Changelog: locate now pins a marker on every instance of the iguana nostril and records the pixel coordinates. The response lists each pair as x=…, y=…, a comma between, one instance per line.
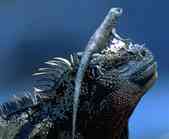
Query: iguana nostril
x=143, y=53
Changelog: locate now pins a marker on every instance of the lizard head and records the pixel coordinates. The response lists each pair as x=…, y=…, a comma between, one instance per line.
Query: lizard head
x=124, y=70
x=116, y=79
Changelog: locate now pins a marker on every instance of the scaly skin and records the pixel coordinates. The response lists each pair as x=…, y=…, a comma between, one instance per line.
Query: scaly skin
x=96, y=43
x=114, y=81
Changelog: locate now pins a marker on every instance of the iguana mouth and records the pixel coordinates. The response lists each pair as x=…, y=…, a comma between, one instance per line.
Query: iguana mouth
x=147, y=77
x=152, y=76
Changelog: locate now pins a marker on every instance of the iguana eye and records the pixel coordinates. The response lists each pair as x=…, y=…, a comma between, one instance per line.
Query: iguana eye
x=123, y=68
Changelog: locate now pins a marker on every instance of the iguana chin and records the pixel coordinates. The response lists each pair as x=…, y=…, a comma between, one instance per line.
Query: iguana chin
x=115, y=79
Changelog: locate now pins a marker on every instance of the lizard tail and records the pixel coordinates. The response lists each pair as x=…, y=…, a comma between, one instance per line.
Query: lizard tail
x=96, y=43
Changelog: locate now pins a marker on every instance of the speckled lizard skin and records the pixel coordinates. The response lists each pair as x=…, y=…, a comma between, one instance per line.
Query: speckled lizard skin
x=115, y=80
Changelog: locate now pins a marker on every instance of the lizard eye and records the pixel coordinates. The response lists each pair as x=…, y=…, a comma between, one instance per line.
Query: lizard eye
x=123, y=68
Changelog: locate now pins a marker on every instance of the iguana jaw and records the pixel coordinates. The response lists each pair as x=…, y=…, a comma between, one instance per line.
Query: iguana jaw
x=147, y=77
x=153, y=75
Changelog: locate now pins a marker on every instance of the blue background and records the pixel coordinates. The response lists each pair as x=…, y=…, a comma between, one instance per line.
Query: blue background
x=32, y=32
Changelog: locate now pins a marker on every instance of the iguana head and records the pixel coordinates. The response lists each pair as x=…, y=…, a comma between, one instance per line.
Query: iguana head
x=115, y=81
x=125, y=70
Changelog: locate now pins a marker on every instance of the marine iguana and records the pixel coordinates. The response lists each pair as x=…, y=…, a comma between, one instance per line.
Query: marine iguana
x=115, y=79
